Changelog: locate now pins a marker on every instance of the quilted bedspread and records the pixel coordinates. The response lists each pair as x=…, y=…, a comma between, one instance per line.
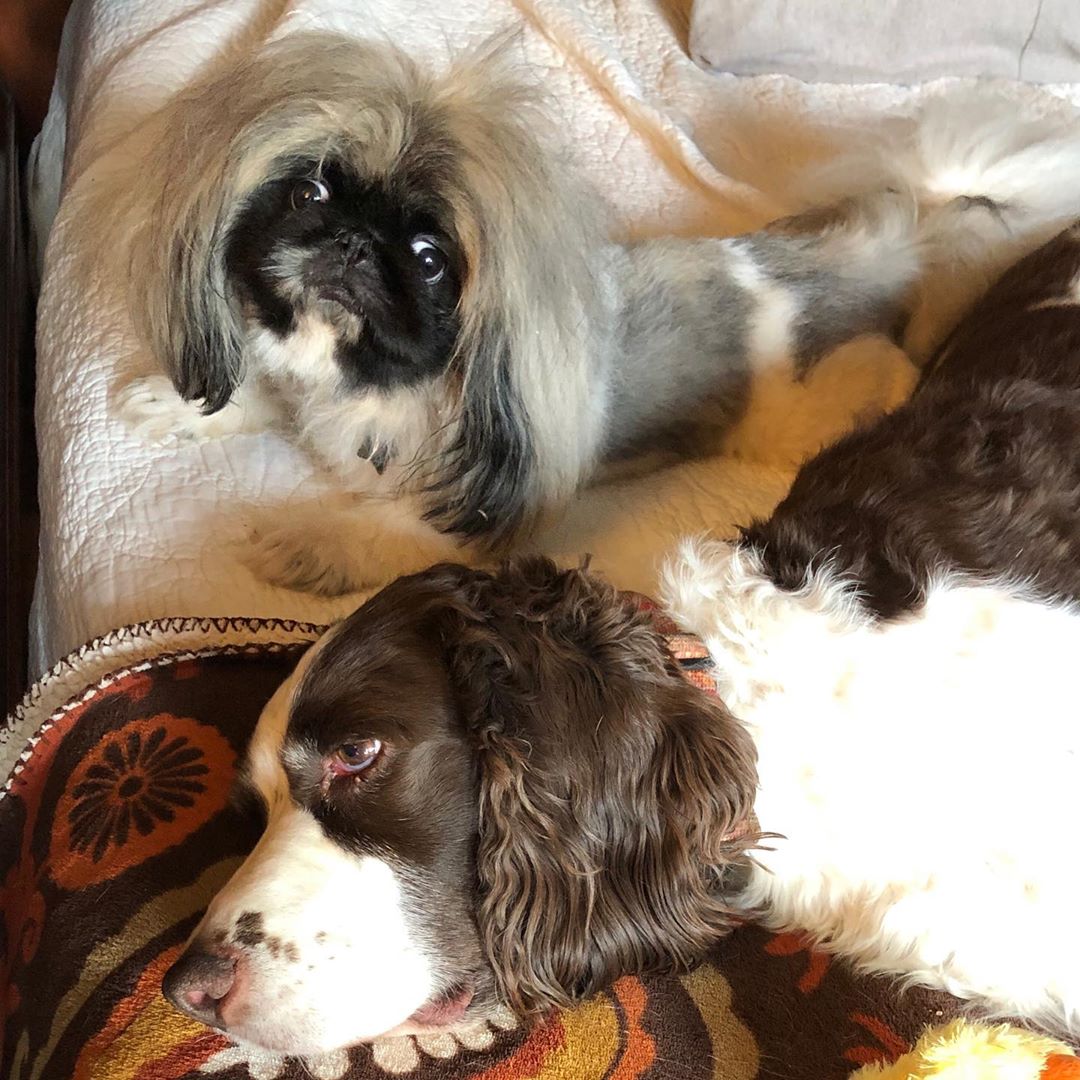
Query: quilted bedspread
x=115, y=830
x=132, y=530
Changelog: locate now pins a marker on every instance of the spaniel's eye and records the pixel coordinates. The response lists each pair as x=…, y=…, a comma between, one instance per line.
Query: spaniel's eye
x=431, y=258
x=355, y=757
x=307, y=192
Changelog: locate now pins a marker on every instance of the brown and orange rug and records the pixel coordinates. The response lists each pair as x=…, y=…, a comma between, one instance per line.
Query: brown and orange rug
x=115, y=829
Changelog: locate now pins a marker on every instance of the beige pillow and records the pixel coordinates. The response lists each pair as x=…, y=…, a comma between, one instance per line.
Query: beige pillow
x=895, y=41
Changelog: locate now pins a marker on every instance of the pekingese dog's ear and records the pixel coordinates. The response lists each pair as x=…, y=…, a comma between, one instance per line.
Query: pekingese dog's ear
x=187, y=306
x=613, y=793
x=202, y=166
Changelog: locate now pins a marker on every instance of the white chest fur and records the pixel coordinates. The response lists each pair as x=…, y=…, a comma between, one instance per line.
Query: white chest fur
x=346, y=428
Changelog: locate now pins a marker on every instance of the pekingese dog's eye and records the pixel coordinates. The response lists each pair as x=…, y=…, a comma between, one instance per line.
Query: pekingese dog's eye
x=307, y=192
x=431, y=258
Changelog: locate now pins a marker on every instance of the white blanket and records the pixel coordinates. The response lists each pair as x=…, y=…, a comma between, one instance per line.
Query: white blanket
x=133, y=531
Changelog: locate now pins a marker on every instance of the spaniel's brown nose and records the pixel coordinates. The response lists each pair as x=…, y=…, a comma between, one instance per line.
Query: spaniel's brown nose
x=197, y=984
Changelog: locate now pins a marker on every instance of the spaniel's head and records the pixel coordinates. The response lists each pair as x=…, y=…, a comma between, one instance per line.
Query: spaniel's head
x=479, y=789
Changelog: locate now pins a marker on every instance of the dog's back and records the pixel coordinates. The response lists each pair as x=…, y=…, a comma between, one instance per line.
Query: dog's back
x=978, y=474
x=1026, y=327
x=900, y=638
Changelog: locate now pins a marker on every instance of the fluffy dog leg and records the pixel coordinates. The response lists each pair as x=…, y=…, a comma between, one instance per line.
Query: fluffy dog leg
x=151, y=408
x=346, y=546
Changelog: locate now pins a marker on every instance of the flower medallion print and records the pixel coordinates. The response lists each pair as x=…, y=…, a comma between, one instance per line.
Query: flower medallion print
x=142, y=790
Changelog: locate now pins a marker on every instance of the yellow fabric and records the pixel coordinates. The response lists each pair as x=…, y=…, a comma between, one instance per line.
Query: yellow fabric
x=962, y=1050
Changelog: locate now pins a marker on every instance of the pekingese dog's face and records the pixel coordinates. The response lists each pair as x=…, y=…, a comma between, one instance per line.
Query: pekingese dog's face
x=379, y=265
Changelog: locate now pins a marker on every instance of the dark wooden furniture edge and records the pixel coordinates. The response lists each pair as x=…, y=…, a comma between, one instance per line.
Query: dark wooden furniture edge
x=16, y=435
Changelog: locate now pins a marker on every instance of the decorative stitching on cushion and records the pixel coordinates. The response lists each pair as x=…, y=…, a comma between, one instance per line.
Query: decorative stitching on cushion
x=98, y=664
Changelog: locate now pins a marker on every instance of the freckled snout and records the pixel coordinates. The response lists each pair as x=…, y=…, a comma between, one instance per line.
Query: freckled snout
x=199, y=982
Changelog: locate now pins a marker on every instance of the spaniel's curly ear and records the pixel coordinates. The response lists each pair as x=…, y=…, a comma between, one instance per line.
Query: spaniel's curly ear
x=612, y=792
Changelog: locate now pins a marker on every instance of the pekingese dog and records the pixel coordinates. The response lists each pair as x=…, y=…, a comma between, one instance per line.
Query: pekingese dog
x=393, y=263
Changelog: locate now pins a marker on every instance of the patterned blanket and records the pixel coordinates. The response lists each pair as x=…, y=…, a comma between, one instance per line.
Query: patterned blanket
x=116, y=828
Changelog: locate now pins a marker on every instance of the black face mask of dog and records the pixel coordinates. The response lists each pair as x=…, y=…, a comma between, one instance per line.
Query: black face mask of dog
x=381, y=268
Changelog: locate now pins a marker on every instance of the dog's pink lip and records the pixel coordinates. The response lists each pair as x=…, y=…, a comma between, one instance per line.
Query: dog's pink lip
x=443, y=1010
x=229, y=998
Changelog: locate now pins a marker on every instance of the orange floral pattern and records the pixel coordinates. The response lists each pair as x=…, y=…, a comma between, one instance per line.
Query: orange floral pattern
x=639, y=1048
x=889, y=1045
x=143, y=790
x=817, y=963
x=1060, y=1067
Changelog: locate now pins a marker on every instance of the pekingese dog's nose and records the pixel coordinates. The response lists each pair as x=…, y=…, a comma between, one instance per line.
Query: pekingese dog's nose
x=198, y=983
x=355, y=246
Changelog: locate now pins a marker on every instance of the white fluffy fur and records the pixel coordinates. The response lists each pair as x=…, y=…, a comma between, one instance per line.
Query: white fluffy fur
x=769, y=335
x=925, y=773
x=977, y=144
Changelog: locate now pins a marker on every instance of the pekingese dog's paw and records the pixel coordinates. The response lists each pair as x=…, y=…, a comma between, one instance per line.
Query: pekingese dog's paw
x=155, y=412
x=305, y=558
x=330, y=552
